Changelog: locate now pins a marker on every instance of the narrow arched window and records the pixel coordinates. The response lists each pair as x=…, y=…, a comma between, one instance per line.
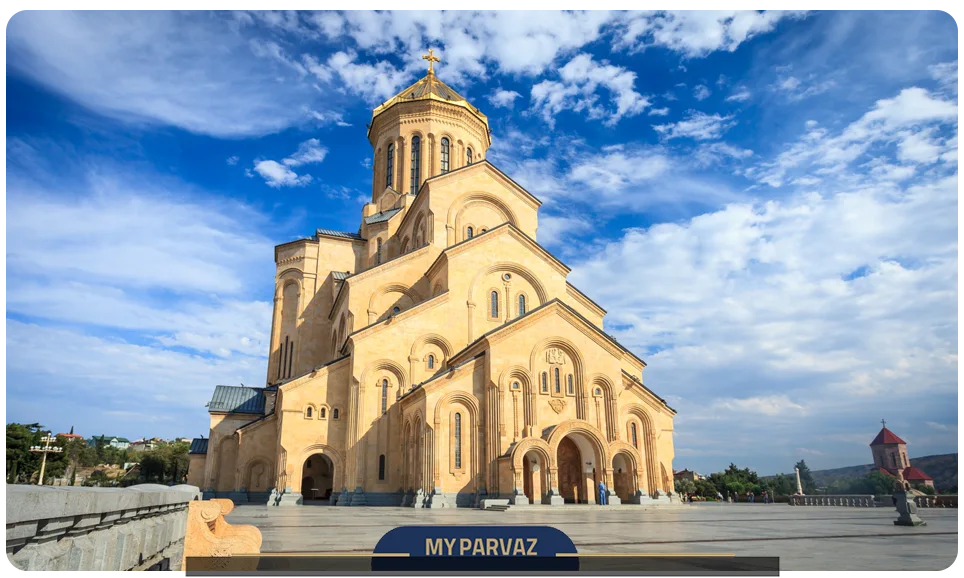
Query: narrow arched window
x=334, y=413
x=445, y=155
x=381, y=467
x=384, y=395
x=431, y=361
x=308, y=412
x=556, y=377
x=468, y=156
x=632, y=434
x=378, y=253
x=570, y=389
x=469, y=233
x=321, y=413
x=458, y=440
x=416, y=164
x=494, y=306
x=545, y=382
x=390, y=166
x=522, y=305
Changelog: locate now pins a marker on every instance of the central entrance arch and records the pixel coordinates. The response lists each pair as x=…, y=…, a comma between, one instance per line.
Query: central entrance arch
x=317, y=478
x=582, y=460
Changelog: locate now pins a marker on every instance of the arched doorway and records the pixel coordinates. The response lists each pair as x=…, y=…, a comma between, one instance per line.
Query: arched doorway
x=579, y=469
x=624, y=476
x=317, y=478
x=535, y=476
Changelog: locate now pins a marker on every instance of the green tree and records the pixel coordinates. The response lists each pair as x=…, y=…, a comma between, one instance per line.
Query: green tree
x=22, y=463
x=684, y=487
x=806, y=478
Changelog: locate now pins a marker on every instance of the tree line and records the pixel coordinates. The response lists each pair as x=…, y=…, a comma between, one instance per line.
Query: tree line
x=166, y=463
x=737, y=482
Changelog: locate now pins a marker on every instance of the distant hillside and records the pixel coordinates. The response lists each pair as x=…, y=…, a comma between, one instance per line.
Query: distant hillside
x=942, y=468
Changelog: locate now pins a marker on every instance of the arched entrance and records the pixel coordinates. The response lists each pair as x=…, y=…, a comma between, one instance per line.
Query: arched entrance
x=580, y=469
x=317, y=478
x=535, y=476
x=624, y=476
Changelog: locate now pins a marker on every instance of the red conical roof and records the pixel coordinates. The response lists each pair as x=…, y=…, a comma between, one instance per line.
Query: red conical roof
x=886, y=437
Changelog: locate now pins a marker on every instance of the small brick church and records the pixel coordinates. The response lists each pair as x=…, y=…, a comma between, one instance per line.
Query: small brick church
x=890, y=455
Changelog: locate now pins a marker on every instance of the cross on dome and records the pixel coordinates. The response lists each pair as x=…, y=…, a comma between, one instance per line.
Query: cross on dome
x=432, y=59
x=883, y=423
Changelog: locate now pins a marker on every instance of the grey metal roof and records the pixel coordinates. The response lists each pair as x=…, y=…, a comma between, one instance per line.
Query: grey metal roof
x=234, y=399
x=381, y=217
x=340, y=275
x=198, y=446
x=342, y=234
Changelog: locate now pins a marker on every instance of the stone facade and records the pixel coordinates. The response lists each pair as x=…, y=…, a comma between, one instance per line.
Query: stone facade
x=438, y=356
x=100, y=529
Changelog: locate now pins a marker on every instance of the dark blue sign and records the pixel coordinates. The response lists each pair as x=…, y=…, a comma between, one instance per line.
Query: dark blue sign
x=482, y=548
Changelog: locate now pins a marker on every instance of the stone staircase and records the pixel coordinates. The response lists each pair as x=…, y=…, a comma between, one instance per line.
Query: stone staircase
x=496, y=508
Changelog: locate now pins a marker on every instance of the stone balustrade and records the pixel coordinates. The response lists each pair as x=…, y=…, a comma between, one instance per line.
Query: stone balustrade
x=76, y=528
x=856, y=501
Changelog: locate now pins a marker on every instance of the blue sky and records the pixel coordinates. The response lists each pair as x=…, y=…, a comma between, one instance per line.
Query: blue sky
x=765, y=203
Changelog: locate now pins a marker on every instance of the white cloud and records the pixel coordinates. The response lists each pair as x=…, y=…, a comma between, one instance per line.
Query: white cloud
x=154, y=68
x=233, y=160
x=658, y=111
x=695, y=33
x=697, y=126
x=945, y=74
x=374, y=82
x=310, y=151
x=701, y=92
x=503, y=98
x=742, y=94
x=279, y=175
x=769, y=405
x=576, y=91
x=717, y=153
x=908, y=119
x=795, y=89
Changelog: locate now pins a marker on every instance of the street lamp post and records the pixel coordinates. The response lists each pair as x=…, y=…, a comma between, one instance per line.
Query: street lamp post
x=45, y=449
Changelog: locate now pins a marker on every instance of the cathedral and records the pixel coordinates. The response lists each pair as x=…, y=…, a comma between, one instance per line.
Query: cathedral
x=437, y=357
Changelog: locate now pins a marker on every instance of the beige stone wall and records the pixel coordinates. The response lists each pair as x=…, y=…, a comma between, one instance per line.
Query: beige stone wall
x=195, y=470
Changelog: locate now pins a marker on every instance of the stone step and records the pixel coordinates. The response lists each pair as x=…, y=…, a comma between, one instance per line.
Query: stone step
x=497, y=508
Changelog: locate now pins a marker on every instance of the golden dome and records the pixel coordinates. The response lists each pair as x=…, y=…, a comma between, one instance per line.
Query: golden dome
x=429, y=87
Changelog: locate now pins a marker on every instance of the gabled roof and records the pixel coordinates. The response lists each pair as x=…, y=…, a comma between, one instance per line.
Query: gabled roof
x=886, y=437
x=198, y=446
x=381, y=217
x=588, y=324
x=234, y=399
x=340, y=234
x=912, y=473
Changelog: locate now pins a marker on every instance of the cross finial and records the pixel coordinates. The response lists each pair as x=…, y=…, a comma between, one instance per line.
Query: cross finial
x=883, y=423
x=432, y=59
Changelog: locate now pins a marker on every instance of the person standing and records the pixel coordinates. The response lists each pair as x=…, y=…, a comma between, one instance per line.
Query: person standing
x=602, y=494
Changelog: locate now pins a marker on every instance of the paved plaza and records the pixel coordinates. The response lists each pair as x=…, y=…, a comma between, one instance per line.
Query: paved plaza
x=804, y=538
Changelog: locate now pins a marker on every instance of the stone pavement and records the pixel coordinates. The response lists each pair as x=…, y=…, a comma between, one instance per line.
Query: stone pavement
x=804, y=538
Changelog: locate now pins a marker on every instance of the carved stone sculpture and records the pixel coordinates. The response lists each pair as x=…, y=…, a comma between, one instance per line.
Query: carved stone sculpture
x=211, y=539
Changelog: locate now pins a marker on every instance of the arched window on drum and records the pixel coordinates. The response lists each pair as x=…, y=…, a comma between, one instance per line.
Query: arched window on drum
x=445, y=155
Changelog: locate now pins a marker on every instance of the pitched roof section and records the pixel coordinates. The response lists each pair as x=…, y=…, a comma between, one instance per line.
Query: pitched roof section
x=912, y=473
x=381, y=217
x=232, y=399
x=339, y=234
x=198, y=446
x=886, y=437
x=340, y=275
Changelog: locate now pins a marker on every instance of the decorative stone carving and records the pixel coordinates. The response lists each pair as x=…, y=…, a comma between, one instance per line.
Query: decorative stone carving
x=557, y=405
x=907, y=510
x=555, y=356
x=210, y=538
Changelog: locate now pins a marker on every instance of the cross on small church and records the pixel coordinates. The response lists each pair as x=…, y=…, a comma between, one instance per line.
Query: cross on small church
x=883, y=423
x=432, y=59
